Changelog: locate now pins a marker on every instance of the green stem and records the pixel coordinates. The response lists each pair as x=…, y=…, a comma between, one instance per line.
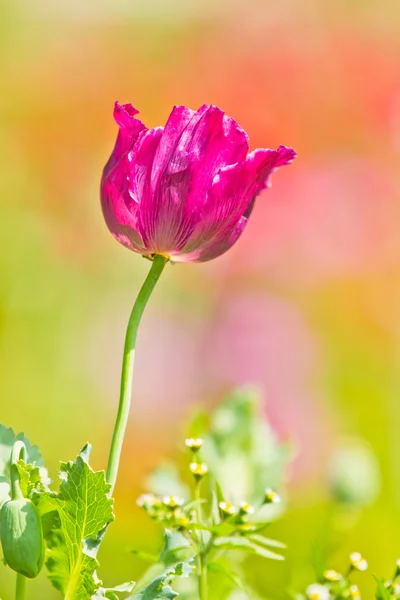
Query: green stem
x=157, y=267
x=18, y=452
x=202, y=556
x=203, y=585
x=20, y=589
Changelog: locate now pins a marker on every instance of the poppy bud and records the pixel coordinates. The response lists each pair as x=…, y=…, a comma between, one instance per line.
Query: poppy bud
x=22, y=537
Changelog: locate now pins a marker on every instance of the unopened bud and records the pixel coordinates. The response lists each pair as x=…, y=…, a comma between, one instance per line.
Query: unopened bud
x=22, y=537
x=246, y=509
x=271, y=497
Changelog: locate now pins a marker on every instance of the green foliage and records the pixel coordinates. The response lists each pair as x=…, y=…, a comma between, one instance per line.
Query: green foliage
x=354, y=474
x=241, y=449
x=175, y=560
x=114, y=593
x=34, y=463
x=237, y=457
x=382, y=592
x=80, y=512
x=158, y=589
x=246, y=545
x=177, y=549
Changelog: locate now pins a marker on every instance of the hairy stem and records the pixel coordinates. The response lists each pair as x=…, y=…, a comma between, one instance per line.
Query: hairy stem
x=157, y=267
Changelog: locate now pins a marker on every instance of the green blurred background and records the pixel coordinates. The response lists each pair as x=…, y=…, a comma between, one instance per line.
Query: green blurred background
x=306, y=305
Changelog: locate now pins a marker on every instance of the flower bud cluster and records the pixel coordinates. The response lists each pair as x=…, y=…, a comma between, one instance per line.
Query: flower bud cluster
x=168, y=510
x=335, y=586
x=198, y=469
x=393, y=585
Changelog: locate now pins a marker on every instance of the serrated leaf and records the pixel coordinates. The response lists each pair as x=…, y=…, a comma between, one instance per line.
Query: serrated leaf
x=158, y=589
x=33, y=457
x=84, y=509
x=244, y=544
x=112, y=593
x=175, y=559
x=30, y=479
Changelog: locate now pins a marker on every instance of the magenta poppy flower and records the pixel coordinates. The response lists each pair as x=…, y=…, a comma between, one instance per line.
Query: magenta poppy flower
x=185, y=190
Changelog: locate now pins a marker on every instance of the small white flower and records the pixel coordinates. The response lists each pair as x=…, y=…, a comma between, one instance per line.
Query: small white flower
x=227, y=509
x=194, y=443
x=316, y=591
x=332, y=575
x=355, y=592
x=199, y=470
x=146, y=500
x=358, y=562
x=173, y=501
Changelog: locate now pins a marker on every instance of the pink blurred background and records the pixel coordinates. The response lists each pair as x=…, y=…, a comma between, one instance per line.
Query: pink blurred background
x=306, y=304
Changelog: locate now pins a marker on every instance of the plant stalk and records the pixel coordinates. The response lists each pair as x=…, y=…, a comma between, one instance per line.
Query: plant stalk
x=203, y=584
x=20, y=588
x=18, y=452
x=156, y=269
x=203, y=554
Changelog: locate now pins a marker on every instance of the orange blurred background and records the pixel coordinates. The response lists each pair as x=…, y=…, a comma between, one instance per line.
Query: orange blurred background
x=306, y=305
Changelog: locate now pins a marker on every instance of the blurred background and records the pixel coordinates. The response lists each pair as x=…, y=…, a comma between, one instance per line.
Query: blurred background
x=306, y=305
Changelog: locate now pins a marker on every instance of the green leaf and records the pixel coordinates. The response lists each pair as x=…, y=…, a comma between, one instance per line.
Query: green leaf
x=177, y=549
x=111, y=593
x=382, y=593
x=218, y=567
x=33, y=457
x=30, y=479
x=224, y=529
x=83, y=509
x=146, y=556
x=158, y=589
x=175, y=560
x=263, y=541
x=215, y=513
x=244, y=544
x=194, y=504
x=243, y=452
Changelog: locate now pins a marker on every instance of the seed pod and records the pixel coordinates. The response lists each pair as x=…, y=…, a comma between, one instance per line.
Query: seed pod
x=22, y=537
